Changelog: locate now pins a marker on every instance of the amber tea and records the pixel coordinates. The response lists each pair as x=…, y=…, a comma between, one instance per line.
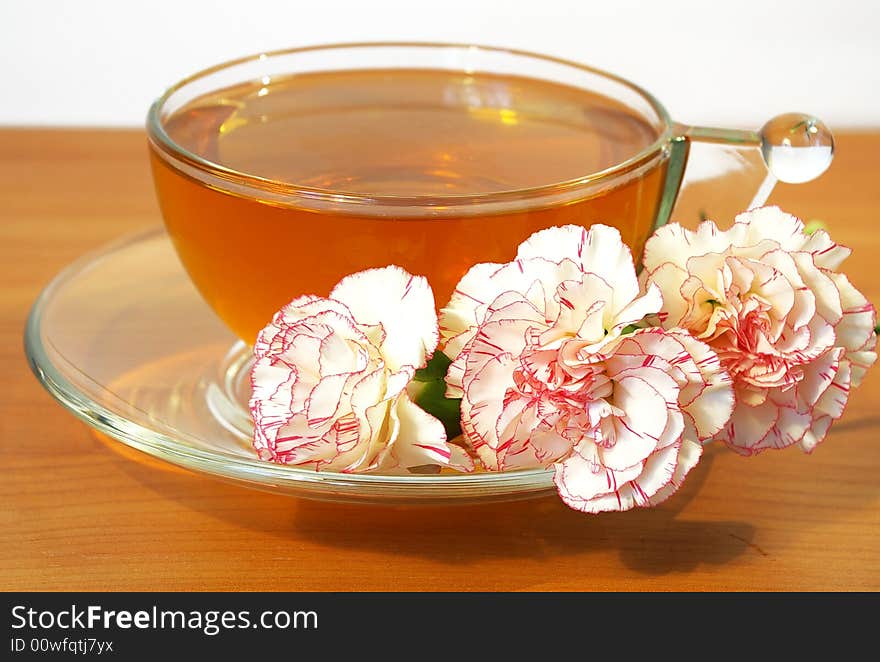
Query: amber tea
x=362, y=168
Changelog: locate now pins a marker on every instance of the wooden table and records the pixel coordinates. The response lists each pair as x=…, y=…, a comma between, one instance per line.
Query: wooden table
x=76, y=514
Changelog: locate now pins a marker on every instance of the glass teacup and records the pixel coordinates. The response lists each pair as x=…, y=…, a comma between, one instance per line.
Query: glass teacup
x=281, y=173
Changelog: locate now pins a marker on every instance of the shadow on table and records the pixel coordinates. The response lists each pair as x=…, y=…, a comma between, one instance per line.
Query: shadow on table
x=650, y=541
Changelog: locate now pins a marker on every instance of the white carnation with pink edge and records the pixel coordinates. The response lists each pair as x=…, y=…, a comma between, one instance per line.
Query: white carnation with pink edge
x=551, y=372
x=330, y=379
x=791, y=330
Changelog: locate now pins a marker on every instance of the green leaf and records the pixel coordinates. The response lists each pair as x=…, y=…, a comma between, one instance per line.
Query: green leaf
x=435, y=369
x=815, y=224
x=430, y=394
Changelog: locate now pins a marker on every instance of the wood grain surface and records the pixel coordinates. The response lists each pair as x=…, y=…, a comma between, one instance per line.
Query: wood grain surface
x=79, y=513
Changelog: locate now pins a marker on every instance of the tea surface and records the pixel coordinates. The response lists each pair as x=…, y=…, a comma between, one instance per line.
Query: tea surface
x=411, y=132
x=387, y=132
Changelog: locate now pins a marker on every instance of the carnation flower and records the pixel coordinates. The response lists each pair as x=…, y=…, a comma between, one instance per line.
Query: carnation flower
x=791, y=330
x=551, y=372
x=330, y=379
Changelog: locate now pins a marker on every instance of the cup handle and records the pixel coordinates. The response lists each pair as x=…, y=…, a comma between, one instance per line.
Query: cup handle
x=719, y=173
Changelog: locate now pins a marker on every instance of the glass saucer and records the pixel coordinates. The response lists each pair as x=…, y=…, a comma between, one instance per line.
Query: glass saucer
x=123, y=340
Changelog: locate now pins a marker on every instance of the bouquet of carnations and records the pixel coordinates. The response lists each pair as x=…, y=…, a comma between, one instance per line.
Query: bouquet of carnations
x=566, y=358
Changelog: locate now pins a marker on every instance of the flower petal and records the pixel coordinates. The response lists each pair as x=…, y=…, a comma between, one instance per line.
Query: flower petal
x=421, y=441
x=402, y=303
x=713, y=405
x=675, y=244
x=484, y=399
x=688, y=457
x=770, y=223
x=660, y=476
x=826, y=253
x=473, y=294
x=639, y=430
x=534, y=280
x=598, y=250
x=749, y=426
x=324, y=400
x=669, y=278
x=856, y=326
x=633, y=312
x=582, y=482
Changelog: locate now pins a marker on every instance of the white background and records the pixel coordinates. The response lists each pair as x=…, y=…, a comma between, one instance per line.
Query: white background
x=101, y=62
